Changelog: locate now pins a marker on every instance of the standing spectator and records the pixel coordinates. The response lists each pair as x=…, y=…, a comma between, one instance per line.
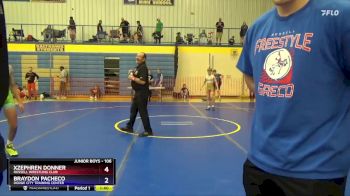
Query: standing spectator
x=72, y=29
x=243, y=31
x=100, y=33
x=32, y=79
x=63, y=83
x=158, y=33
x=159, y=79
x=219, y=31
x=139, y=32
x=124, y=25
x=99, y=27
x=140, y=84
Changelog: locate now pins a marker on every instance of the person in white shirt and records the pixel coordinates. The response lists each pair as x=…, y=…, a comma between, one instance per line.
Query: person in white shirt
x=63, y=83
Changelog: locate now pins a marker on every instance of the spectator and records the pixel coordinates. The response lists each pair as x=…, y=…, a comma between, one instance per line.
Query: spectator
x=244, y=29
x=185, y=93
x=124, y=25
x=231, y=41
x=72, y=29
x=189, y=38
x=159, y=79
x=32, y=79
x=100, y=33
x=150, y=78
x=63, y=83
x=139, y=32
x=30, y=38
x=219, y=31
x=14, y=34
x=48, y=34
x=210, y=38
x=99, y=27
x=179, y=38
x=95, y=93
x=158, y=33
x=203, y=38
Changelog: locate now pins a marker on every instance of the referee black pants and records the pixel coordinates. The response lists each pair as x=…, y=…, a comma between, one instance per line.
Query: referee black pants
x=258, y=182
x=139, y=104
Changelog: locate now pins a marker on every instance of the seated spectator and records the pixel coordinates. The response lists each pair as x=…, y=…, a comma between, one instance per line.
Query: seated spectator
x=13, y=34
x=157, y=36
x=30, y=38
x=136, y=38
x=48, y=34
x=184, y=92
x=159, y=79
x=203, y=38
x=150, y=78
x=210, y=38
x=231, y=41
x=189, y=38
x=95, y=93
x=179, y=38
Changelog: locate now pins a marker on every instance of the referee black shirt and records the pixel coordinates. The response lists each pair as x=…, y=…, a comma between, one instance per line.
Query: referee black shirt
x=141, y=72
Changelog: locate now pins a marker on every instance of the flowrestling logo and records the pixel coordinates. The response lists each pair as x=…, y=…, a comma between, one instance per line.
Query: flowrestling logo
x=330, y=12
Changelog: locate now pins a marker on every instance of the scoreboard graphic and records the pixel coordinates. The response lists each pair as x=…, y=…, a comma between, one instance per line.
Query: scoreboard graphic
x=150, y=2
x=82, y=174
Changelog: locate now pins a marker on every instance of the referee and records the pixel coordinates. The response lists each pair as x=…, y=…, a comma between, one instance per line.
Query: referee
x=140, y=84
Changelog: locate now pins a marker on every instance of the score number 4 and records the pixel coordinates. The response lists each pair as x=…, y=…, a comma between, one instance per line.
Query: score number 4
x=106, y=178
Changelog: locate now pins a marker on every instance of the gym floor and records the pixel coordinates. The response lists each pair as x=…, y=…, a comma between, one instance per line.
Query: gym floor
x=194, y=151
